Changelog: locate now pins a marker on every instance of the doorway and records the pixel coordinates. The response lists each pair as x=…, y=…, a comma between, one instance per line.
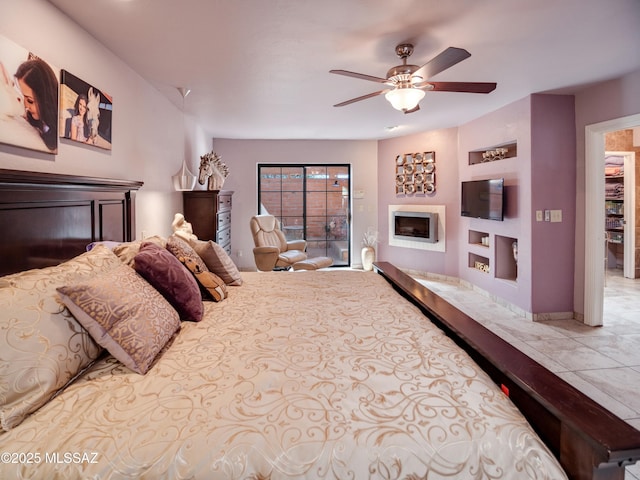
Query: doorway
x=312, y=202
x=594, y=273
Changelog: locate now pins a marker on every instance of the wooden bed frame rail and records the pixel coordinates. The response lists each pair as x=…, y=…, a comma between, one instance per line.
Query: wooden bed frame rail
x=589, y=441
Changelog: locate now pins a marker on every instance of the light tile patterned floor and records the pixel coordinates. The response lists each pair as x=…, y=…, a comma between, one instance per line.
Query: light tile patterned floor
x=602, y=362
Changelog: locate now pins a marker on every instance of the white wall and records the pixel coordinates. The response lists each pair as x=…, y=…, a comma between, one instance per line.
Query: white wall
x=242, y=157
x=147, y=127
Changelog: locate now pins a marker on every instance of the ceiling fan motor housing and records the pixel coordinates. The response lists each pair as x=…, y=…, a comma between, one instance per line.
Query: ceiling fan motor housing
x=404, y=50
x=401, y=75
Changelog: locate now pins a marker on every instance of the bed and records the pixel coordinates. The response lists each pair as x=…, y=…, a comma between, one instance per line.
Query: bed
x=310, y=374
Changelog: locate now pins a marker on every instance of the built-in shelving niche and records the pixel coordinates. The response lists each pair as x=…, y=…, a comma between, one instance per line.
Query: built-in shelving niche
x=477, y=156
x=479, y=262
x=506, y=265
x=479, y=238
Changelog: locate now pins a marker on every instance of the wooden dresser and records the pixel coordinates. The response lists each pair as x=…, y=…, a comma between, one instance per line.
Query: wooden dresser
x=209, y=212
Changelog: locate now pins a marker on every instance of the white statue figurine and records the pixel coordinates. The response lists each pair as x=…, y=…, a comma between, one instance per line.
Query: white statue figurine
x=182, y=228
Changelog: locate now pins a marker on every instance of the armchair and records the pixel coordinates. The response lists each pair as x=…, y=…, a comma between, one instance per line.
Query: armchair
x=272, y=250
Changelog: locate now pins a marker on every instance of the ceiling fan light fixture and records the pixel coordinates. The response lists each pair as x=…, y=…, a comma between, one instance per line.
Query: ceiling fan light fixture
x=404, y=98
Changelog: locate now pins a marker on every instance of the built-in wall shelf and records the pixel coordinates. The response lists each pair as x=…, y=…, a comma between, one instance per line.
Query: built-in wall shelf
x=491, y=154
x=614, y=217
x=505, y=261
x=479, y=238
x=479, y=263
x=621, y=212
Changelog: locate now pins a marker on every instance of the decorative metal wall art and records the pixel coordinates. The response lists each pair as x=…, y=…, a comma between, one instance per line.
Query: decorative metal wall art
x=416, y=173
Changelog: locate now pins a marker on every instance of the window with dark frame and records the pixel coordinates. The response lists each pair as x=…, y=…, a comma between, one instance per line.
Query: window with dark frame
x=312, y=201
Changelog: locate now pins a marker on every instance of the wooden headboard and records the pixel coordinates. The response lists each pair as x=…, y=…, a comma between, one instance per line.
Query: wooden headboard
x=48, y=218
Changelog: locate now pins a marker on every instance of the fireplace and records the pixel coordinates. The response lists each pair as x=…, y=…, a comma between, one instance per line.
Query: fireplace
x=417, y=226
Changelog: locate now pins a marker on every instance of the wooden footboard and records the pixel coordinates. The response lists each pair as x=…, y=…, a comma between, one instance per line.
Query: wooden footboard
x=589, y=441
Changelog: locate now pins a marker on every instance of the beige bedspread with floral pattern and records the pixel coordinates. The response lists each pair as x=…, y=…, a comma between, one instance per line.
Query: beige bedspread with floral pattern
x=327, y=374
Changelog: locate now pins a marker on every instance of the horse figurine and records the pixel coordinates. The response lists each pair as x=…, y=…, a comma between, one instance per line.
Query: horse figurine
x=93, y=115
x=212, y=171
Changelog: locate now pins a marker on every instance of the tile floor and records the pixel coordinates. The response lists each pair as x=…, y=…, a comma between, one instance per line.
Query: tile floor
x=602, y=362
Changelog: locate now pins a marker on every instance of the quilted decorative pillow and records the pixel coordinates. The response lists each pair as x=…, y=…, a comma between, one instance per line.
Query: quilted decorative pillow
x=42, y=346
x=124, y=314
x=218, y=261
x=167, y=275
x=209, y=280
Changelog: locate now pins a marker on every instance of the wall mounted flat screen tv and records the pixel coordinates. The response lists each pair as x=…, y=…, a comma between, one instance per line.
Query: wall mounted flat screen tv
x=483, y=199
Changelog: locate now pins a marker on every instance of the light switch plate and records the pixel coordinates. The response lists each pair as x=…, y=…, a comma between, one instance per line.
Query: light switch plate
x=556, y=216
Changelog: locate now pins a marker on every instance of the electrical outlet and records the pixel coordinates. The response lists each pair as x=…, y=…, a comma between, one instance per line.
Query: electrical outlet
x=538, y=215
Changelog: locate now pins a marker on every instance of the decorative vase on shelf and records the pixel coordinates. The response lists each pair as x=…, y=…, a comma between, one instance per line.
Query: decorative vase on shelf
x=368, y=257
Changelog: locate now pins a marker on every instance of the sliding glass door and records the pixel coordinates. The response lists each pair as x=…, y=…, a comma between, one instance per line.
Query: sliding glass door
x=312, y=202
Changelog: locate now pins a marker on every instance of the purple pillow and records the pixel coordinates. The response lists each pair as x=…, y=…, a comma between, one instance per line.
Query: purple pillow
x=167, y=275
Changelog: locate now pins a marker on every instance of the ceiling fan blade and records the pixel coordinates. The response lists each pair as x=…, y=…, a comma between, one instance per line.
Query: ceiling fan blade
x=465, y=87
x=414, y=109
x=363, y=97
x=361, y=76
x=441, y=62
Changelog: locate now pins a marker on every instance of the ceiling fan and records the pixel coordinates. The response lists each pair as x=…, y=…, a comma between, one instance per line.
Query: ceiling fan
x=409, y=82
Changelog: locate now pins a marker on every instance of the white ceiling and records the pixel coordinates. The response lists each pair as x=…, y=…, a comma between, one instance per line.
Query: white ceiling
x=260, y=68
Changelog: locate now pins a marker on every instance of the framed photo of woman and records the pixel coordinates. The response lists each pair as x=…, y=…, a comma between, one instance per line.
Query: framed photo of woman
x=85, y=112
x=28, y=99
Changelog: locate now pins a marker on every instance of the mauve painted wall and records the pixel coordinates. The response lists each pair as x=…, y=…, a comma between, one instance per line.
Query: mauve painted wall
x=444, y=143
x=540, y=177
x=508, y=124
x=553, y=171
